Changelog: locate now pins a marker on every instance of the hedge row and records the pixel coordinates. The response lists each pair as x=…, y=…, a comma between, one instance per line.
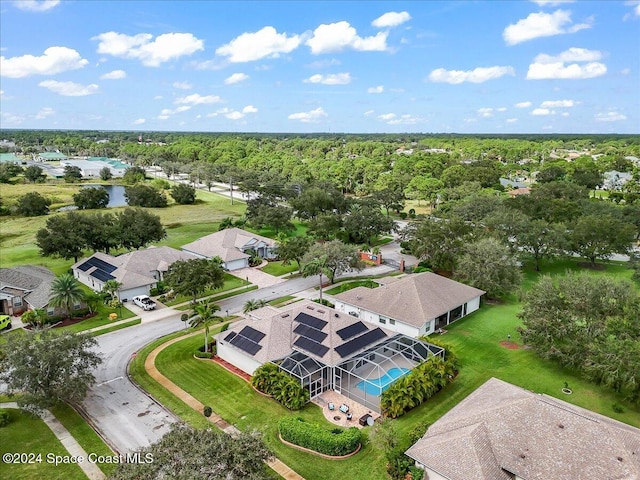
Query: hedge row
x=336, y=442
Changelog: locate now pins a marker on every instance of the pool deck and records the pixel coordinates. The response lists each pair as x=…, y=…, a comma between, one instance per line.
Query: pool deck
x=356, y=409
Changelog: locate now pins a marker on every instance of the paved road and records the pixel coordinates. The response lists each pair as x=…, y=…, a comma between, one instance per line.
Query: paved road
x=124, y=415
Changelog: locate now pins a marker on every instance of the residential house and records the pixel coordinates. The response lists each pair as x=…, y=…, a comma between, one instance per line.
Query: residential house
x=25, y=288
x=234, y=246
x=504, y=432
x=324, y=349
x=138, y=271
x=416, y=304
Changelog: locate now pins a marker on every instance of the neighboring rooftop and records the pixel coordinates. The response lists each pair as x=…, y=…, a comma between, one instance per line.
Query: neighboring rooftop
x=412, y=299
x=28, y=278
x=501, y=430
x=227, y=244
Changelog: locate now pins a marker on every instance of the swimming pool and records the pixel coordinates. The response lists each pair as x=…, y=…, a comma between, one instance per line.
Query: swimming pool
x=375, y=386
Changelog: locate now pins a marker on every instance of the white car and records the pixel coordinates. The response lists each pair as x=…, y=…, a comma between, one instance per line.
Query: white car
x=144, y=302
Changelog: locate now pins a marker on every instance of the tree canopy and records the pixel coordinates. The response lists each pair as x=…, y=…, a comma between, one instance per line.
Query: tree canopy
x=32, y=204
x=91, y=198
x=194, y=276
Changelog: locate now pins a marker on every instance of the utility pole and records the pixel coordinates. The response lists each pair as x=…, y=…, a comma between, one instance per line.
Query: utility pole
x=231, y=189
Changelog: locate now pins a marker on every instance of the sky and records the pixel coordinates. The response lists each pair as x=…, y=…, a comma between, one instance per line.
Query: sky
x=498, y=67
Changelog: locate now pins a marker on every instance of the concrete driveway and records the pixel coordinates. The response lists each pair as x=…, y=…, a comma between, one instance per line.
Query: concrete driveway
x=160, y=312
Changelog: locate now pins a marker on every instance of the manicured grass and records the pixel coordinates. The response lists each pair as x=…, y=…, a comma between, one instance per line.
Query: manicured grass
x=84, y=435
x=117, y=327
x=343, y=287
x=281, y=300
x=239, y=404
x=278, y=268
x=230, y=282
x=102, y=318
x=29, y=434
x=300, y=230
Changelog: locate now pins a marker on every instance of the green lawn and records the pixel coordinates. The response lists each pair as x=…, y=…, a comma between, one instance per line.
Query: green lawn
x=280, y=300
x=84, y=435
x=102, y=318
x=29, y=434
x=343, y=287
x=230, y=282
x=130, y=323
x=278, y=268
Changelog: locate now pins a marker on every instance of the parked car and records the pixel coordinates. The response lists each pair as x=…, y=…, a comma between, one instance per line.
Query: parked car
x=5, y=322
x=144, y=302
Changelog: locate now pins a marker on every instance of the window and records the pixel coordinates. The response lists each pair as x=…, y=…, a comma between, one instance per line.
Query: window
x=392, y=321
x=383, y=320
x=50, y=311
x=17, y=301
x=76, y=306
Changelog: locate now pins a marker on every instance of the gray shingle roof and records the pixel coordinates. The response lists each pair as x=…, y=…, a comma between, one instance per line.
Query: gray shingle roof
x=226, y=244
x=36, y=280
x=502, y=428
x=413, y=299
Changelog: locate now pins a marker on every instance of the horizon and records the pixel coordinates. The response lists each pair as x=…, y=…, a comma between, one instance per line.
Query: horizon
x=539, y=67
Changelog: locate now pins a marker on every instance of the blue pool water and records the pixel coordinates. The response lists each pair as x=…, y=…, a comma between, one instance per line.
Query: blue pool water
x=375, y=386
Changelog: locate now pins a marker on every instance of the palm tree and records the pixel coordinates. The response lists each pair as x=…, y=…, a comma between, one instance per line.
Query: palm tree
x=317, y=266
x=35, y=318
x=65, y=292
x=202, y=314
x=111, y=287
x=253, y=304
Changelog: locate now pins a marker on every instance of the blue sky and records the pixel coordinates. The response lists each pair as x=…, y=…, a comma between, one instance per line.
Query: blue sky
x=294, y=66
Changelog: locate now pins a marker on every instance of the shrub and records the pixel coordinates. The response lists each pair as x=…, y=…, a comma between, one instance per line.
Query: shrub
x=398, y=464
x=225, y=327
x=336, y=442
x=416, y=473
x=617, y=408
x=207, y=411
x=5, y=417
x=281, y=386
x=200, y=354
x=403, y=215
x=324, y=302
x=154, y=292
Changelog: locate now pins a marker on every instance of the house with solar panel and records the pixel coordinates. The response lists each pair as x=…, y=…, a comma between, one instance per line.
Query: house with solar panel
x=416, y=304
x=234, y=246
x=138, y=272
x=324, y=349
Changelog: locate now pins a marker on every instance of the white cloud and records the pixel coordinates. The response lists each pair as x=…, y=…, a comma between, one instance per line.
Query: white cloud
x=405, y=119
x=542, y=24
x=369, y=113
x=555, y=67
x=557, y=103
x=236, y=78
x=165, y=47
x=249, y=109
x=551, y=3
x=139, y=121
x=477, y=75
x=54, y=60
x=44, y=113
x=182, y=108
x=636, y=9
x=324, y=63
x=309, y=117
x=158, y=97
x=69, y=89
x=387, y=116
x=35, y=5
x=197, y=99
x=391, y=19
x=523, y=105
x=485, y=112
x=501, y=109
x=511, y=120
x=625, y=71
x=378, y=89
x=610, y=117
x=114, y=75
x=182, y=85
x=542, y=112
x=330, y=79
x=335, y=37
x=565, y=114
x=235, y=115
x=265, y=43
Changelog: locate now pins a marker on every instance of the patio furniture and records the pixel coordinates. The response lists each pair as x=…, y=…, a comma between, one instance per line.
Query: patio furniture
x=331, y=406
x=364, y=420
x=344, y=408
x=349, y=416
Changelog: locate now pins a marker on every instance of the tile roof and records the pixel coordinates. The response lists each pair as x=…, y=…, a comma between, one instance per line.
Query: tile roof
x=36, y=280
x=226, y=244
x=501, y=428
x=413, y=299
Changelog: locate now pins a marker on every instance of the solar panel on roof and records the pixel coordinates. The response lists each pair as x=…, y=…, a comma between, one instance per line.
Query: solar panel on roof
x=230, y=336
x=252, y=334
x=101, y=275
x=309, y=332
x=310, y=321
x=352, y=330
x=311, y=346
x=101, y=264
x=85, y=266
x=245, y=344
x=360, y=342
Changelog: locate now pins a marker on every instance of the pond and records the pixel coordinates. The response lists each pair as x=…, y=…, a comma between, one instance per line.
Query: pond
x=116, y=195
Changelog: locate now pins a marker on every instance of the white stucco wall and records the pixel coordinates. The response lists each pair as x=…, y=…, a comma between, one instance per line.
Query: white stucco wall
x=473, y=305
x=374, y=318
x=234, y=357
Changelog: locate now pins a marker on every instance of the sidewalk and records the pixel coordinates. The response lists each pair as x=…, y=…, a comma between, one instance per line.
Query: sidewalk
x=91, y=470
x=283, y=470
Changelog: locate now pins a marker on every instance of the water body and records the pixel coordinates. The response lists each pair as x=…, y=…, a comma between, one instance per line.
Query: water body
x=116, y=195
x=375, y=386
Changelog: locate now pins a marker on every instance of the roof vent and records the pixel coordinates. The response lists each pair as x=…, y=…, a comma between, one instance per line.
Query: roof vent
x=522, y=455
x=560, y=425
x=285, y=315
x=320, y=311
x=619, y=459
x=337, y=315
x=358, y=297
x=310, y=307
